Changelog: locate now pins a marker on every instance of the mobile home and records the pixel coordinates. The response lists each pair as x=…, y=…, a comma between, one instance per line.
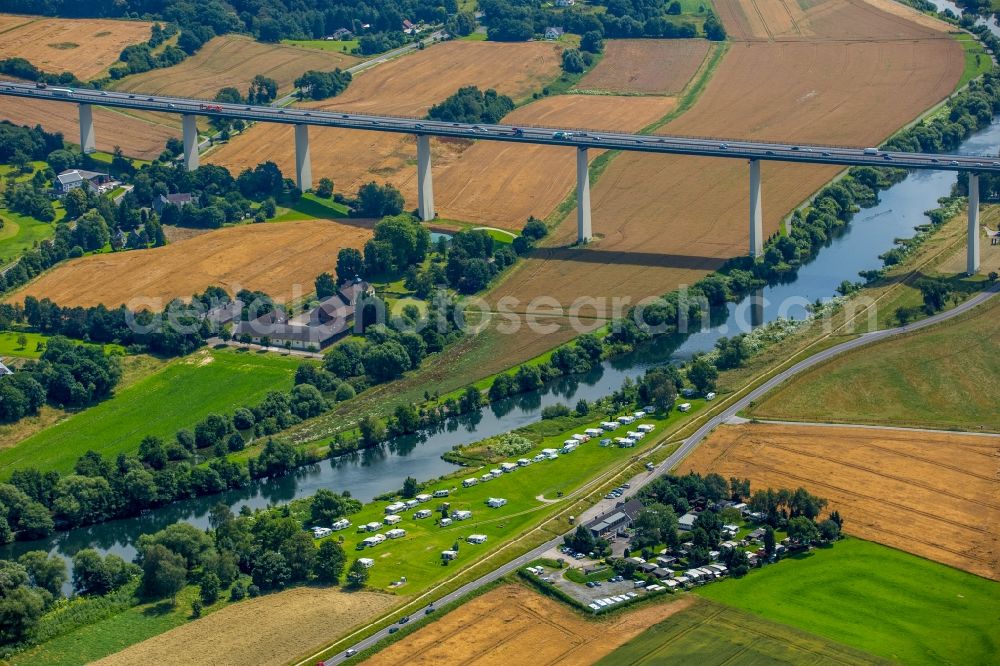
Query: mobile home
x=395, y=507
x=341, y=524
x=396, y=533
x=392, y=519
x=424, y=497
x=423, y=513
x=441, y=493
x=468, y=483
x=461, y=515
x=495, y=502
x=508, y=466
x=476, y=538
x=684, y=407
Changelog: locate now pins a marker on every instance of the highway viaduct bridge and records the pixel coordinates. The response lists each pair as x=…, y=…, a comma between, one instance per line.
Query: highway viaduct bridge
x=581, y=140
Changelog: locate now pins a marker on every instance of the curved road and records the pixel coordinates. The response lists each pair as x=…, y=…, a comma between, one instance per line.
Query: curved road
x=686, y=448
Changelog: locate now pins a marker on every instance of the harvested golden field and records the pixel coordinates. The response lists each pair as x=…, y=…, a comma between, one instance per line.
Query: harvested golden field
x=930, y=493
x=666, y=221
x=513, y=625
x=501, y=184
x=85, y=47
x=646, y=66
x=819, y=20
x=136, y=137
x=407, y=86
x=233, y=60
x=272, y=629
x=281, y=259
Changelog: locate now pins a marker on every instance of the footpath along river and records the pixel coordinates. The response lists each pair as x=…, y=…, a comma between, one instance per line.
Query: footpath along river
x=372, y=472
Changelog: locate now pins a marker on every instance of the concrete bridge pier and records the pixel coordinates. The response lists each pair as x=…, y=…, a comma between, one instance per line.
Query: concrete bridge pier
x=425, y=183
x=303, y=162
x=756, y=308
x=583, y=228
x=88, y=141
x=972, y=257
x=756, y=211
x=190, y=125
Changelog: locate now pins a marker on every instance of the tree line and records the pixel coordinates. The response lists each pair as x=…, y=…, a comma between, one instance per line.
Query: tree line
x=512, y=20
x=266, y=20
x=239, y=556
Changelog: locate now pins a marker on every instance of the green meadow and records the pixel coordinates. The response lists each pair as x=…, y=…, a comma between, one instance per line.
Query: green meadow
x=177, y=396
x=878, y=600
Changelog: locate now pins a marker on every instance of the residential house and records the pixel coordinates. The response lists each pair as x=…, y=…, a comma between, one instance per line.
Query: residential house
x=565, y=3
x=4, y=370
x=341, y=34
x=94, y=181
x=686, y=522
x=179, y=200
x=553, y=32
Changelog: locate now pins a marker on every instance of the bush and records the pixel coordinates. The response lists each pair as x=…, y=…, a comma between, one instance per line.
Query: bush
x=509, y=444
x=555, y=411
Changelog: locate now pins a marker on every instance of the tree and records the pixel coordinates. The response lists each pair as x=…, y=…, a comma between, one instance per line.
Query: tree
x=209, y=590
x=471, y=105
x=76, y=203
x=386, y=361
x=769, y=540
x=349, y=264
x=91, y=231
x=829, y=530
x=802, y=529
x=45, y=572
x=20, y=606
x=410, y=488
x=326, y=507
x=357, y=575
x=703, y=375
x=330, y=561
x=377, y=201
x=323, y=85
x=654, y=525
x=325, y=286
x=325, y=188
x=592, y=42
x=263, y=90
x=93, y=575
x=372, y=430
x=714, y=29
x=270, y=570
x=164, y=572
x=572, y=61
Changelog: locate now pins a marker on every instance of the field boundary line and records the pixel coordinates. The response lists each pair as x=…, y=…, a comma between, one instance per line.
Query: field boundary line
x=842, y=424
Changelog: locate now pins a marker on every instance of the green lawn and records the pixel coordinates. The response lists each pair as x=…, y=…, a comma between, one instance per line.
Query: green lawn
x=418, y=555
x=947, y=376
x=311, y=207
x=324, y=44
x=20, y=233
x=710, y=633
x=178, y=396
x=10, y=347
x=977, y=60
x=876, y=599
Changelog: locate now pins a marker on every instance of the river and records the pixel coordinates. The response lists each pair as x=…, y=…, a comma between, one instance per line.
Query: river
x=990, y=22
x=372, y=472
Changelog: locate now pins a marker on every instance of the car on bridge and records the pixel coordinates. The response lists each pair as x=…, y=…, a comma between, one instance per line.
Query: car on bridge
x=562, y=135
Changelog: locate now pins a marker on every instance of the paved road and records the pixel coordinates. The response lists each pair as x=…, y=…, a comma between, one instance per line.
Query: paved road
x=686, y=448
x=556, y=136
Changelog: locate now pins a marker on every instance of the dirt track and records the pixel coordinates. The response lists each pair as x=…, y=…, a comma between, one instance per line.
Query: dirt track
x=85, y=47
x=513, y=625
x=255, y=256
x=273, y=629
x=931, y=494
x=646, y=66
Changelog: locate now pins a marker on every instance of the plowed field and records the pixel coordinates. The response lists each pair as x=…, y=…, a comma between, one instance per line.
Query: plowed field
x=933, y=494
x=407, y=86
x=646, y=66
x=512, y=625
x=281, y=259
x=85, y=47
x=233, y=60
